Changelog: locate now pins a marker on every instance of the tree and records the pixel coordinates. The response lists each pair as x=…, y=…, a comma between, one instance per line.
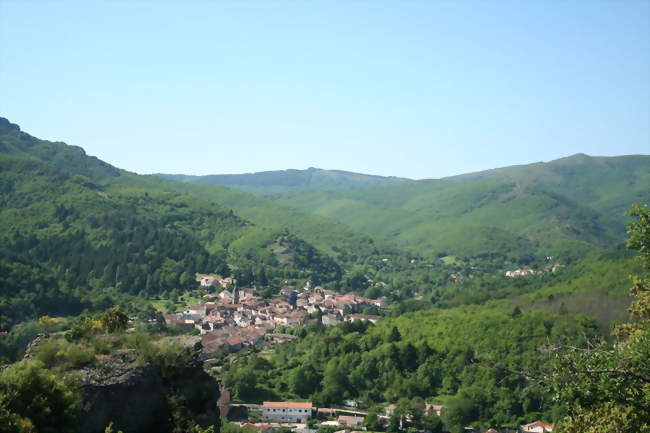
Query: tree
x=34, y=399
x=372, y=421
x=303, y=380
x=114, y=319
x=242, y=382
x=607, y=387
x=394, y=335
x=459, y=412
x=432, y=424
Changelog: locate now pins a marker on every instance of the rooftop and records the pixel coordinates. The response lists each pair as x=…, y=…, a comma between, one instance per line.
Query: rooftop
x=288, y=404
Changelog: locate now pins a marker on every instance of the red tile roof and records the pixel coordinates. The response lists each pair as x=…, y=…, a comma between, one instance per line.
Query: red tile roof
x=539, y=423
x=289, y=404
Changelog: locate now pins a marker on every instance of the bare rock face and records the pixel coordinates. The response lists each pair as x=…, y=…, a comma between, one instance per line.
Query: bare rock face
x=142, y=399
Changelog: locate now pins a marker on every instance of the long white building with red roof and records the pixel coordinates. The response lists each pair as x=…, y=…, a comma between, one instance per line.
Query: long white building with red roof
x=287, y=411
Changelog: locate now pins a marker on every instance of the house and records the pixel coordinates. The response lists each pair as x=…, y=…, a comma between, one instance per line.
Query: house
x=536, y=427
x=209, y=281
x=390, y=409
x=282, y=338
x=556, y=267
x=226, y=296
x=433, y=409
x=326, y=412
x=362, y=318
x=520, y=273
x=379, y=302
x=234, y=343
x=332, y=423
x=330, y=319
x=198, y=310
x=247, y=293
x=350, y=420
x=287, y=411
x=179, y=321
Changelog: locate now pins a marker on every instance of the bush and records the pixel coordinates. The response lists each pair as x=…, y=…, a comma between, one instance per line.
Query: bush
x=114, y=319
x=83, y=329
x=76, y=356
x=34, y=399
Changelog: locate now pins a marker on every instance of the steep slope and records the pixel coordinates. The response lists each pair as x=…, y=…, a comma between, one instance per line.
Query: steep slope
x=72, y=159
x=291, y=180
x=69, y=241
x=331, y=237
x=570, y=204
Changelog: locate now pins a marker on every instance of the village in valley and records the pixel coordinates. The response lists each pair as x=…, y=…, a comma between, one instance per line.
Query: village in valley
x=232, y=318
x=238, y=317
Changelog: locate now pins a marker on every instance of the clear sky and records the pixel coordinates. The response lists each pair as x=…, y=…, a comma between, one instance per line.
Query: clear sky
x=421, y=89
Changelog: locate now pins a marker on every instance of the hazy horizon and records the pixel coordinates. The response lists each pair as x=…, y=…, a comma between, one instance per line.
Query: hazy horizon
x=390, y=175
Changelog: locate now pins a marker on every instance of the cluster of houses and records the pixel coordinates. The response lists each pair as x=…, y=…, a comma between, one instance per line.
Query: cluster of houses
x=300, y=412
x=525, y=272
x=238, y=318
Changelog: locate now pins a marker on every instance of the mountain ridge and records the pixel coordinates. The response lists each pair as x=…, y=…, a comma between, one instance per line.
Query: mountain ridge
x=272, y=181
x=576, y=199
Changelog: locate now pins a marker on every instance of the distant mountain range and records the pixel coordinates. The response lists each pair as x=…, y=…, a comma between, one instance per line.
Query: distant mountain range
x=565, y=206
x=570, y=204
x=266, y=182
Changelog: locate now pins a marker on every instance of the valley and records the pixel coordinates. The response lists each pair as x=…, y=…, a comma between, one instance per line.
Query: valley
x=364, y=295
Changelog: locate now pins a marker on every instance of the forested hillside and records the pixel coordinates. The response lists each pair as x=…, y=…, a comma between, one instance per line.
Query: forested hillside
x=468, y=353
x=565, y=207
x=74, y=238
x=337, y=240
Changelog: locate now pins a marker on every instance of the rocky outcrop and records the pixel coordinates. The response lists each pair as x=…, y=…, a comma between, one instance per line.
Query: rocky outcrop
x=143, y=399
x=157, y=391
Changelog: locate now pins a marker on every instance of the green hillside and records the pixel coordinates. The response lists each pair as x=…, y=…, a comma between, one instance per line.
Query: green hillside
x=572, y=204
x=606, y=184
x=76, y=233
x=291, y=180
x=334, y=238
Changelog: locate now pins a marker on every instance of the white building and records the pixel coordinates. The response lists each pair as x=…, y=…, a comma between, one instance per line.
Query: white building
x=287, y=411
x=536, y=427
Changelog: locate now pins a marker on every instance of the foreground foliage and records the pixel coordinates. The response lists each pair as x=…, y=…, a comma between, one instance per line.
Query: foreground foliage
x=43, y=393
x=608, y=386
x=33, y=398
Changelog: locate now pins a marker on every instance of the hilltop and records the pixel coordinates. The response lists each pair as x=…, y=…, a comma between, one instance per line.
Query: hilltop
x=565, y=206
x=311, y=179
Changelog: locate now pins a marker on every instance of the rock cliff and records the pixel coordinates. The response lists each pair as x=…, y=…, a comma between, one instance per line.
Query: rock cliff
x=142, y=399
x=143, y=394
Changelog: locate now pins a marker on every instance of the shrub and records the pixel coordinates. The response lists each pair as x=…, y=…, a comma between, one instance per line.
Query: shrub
x=34, y=399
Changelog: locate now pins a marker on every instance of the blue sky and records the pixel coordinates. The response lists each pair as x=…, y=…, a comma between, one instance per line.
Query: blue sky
x=421, y=89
